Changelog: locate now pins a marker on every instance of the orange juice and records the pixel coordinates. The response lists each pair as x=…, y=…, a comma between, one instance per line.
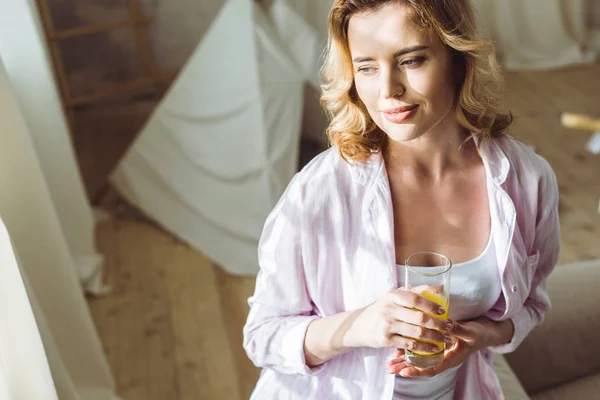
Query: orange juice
x=442, y=301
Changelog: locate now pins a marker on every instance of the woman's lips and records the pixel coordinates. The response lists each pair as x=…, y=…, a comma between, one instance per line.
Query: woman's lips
x=400, y=114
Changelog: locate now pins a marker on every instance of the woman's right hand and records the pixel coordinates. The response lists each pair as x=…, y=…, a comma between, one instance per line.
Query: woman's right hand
x=396, y=320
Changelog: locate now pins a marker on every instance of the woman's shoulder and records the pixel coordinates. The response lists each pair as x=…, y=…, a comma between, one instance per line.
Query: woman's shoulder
x=323, y=182
x=524, y=160
x=530, y=173
x=325, y=168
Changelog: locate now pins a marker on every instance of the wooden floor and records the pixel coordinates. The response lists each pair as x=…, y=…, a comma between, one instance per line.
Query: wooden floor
x=172, y=327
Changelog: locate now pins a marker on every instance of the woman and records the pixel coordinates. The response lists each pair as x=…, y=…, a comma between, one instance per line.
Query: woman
x=420, y=161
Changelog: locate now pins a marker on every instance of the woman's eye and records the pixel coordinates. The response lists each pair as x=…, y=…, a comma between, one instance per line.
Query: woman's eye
x=366, y=70
x=411, y=62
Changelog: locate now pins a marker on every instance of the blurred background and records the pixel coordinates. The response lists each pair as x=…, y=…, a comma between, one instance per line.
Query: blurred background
x=143, y=143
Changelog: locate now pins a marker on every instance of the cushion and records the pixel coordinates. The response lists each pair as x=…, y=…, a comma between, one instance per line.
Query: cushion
x=511, y=387
x=584, y=388
x=564, y=348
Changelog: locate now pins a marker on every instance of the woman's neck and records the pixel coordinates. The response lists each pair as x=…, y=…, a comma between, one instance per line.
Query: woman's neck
x=430, y=157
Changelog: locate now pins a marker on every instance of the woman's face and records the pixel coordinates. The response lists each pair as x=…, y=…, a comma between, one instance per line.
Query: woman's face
x=403, y=73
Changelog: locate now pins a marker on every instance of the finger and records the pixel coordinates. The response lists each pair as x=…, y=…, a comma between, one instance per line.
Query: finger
x=416, y=317
x=412, y=372
x=412, y=344
x=428, y=288
x=413, y=300
x=452, y=342
x=395, y=361
x=457, y=346
x=418, y=332
x=452, y=358
x=397, y=368
x=458, y=330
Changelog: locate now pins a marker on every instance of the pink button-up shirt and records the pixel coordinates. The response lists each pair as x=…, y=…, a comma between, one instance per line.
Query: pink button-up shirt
x=328, y=247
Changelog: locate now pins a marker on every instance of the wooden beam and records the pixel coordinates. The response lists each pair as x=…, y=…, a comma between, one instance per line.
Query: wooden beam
x=98, y=28
x=142, y=44
x=110, y=91
x=59, y=68
x=136, y=21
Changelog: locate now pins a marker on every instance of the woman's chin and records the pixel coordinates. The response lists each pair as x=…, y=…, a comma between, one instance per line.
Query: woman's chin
x=402, y=134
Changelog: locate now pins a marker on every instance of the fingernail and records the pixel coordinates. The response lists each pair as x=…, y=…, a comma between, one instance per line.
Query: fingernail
x=404, y=374
x=449, y=325
x=448, y=339
x=441, y=310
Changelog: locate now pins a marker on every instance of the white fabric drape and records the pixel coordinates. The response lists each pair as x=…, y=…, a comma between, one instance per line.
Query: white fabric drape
x=538, y=34
x=24, y=371
x=315, y=13
x=223, y=144
x=77, y=363
x=24, y=54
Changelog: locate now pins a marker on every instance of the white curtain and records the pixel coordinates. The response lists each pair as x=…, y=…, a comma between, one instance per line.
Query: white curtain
x=74, y=351
x=24, y=371
x=25, y=57
x=539, y=34
x=222, y=146
x=314, y=12
x=77, y=363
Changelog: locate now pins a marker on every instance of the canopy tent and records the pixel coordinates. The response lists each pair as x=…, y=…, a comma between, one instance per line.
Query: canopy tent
x=221, y=147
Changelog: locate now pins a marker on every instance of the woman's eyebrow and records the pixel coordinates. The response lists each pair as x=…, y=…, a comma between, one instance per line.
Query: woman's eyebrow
x=396, y=54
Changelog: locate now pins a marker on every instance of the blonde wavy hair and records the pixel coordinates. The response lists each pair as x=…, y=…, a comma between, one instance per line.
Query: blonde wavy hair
x=351, y=129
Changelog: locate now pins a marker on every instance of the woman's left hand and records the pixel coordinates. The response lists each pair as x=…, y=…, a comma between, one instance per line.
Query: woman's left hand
x=470, y=337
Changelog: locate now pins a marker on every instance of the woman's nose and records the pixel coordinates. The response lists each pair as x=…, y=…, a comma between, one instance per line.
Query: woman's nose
x=391, y=85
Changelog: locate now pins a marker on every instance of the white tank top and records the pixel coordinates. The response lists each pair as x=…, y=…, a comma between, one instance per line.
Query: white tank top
x=474, y=289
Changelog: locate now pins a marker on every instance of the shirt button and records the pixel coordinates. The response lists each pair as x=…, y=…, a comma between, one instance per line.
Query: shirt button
x=514, y=288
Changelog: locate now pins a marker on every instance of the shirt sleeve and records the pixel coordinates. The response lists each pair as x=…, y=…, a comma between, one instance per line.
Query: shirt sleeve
x=281, y=308
x=547, y=243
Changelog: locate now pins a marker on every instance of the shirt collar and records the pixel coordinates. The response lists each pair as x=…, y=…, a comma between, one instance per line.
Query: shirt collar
x=494, y=158
x=371, y=170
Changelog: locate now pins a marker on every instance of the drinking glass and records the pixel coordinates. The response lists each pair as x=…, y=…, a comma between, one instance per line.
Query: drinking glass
x=428, y=274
